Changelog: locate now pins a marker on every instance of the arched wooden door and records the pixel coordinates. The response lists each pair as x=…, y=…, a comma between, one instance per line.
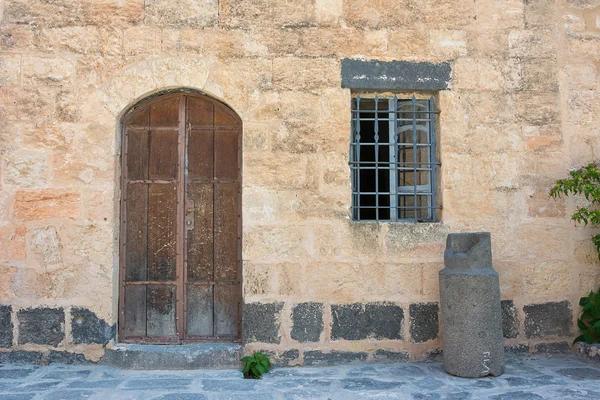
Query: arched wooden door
x=180, y=221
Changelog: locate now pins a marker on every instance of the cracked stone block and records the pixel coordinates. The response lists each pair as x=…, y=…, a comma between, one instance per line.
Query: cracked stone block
x=261, y=322
x=547, y=320
x=360, y=321
x=319, y=358
x=41, y=326
x=87, y=328
x=510, y=320
x=307, y=319
x=424, y=324
x=6, y=326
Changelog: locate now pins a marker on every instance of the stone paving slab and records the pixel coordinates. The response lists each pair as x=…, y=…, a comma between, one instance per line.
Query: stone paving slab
x=525, y=379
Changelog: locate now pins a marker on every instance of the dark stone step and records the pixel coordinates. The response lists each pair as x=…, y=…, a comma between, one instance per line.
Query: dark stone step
x=192, y=356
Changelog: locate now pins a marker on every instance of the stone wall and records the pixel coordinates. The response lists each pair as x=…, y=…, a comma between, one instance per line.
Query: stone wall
x=523, y=108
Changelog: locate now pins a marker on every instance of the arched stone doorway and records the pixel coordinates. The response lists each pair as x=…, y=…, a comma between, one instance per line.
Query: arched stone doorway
x=180, y=238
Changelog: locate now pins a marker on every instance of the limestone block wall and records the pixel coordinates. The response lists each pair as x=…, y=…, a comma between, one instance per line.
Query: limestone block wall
x=522, y=109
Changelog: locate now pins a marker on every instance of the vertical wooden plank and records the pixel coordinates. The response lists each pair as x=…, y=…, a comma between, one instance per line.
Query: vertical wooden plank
x=199, y=310
x=137, y=154
x=162, y=224
x=226, y=310
x=180, y=215
x=165, y=113
x=224, y=117
x=136, y=258
x=200, y=154
x=200, y=112
x=161, y=310
x=139, y=117
x=225, y=231
x=163, y=154
x=226, y=155
x=200, y=239
x=135, y=310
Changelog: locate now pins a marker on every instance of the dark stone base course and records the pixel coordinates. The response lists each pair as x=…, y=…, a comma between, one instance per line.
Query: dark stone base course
x=87, y=328
x=21, y=357
x=388, y=356
x=360, y=321
x=548, y=320
x=286, y=358
x=261, y=322
x=517, y=350
x=424, y=323
x=436, y=355
x=318, y=358
x=307, y=319
x=41, y=326
x=510, y=320
x=6, y=326
x=42, y=358
x=553, y=348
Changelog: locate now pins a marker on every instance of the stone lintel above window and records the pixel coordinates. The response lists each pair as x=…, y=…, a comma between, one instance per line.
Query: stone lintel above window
x=395, y=75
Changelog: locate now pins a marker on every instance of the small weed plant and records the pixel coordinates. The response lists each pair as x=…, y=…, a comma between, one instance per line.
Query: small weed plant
x=255, y=366
x=589, y=322
x=584, y=181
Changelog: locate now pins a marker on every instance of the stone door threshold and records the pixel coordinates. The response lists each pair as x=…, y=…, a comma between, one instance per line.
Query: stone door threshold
x=188, y=356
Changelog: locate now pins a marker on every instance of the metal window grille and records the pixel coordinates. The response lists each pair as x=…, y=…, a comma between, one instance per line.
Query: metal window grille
x=393, y=159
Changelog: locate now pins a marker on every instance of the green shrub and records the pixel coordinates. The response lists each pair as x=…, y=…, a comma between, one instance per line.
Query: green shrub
x=589, y=322
x=255, y=366
x=583, y=181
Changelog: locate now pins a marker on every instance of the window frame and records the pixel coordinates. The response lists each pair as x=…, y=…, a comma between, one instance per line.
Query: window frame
x=424, y=120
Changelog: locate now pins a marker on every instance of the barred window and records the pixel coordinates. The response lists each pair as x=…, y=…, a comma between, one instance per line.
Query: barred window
x=393, y=159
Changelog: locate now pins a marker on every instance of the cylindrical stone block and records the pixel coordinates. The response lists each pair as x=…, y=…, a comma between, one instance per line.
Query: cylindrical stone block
x=472, y=340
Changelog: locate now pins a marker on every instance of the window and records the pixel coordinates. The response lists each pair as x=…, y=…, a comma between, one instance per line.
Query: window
x=393, y=159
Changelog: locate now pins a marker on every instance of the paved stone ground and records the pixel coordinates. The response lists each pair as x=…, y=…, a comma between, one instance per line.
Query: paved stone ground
x=529, y=379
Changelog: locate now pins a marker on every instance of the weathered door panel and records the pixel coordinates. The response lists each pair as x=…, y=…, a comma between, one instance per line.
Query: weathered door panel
x=225, y=232
x=163, y=154
x=200, y=244
x=162, y=232
x=199, y=310
x=136, y=259
x=226, y=310
x=181, y=222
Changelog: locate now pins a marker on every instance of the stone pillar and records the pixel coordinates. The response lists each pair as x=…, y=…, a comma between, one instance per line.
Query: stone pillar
x=472, y=339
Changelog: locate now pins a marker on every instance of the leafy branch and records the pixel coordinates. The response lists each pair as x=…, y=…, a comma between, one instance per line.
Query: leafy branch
x=584, y=181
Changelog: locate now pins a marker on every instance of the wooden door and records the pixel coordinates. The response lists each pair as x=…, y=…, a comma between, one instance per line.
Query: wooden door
x=180, y=221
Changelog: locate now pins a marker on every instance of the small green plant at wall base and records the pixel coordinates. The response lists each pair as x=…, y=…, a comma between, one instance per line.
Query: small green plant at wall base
x=255, y=366
x=583, y=181
x=589, y=322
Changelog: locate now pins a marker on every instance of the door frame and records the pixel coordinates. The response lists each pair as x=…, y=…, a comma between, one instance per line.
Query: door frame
x=181, y=242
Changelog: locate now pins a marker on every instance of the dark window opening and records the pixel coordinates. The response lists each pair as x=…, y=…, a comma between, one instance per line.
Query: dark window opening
x=393, y=159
